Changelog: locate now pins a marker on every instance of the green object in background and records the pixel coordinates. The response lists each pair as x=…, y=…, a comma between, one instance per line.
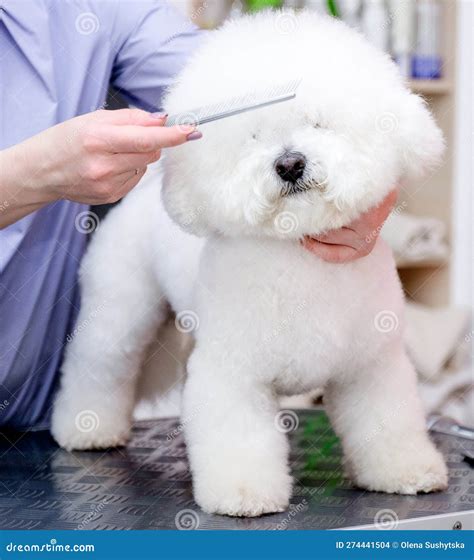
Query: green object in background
x=257, y=5
x=321, y=444
x=332, y=8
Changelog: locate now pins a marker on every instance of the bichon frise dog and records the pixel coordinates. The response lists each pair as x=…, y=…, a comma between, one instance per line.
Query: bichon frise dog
x=269, y=317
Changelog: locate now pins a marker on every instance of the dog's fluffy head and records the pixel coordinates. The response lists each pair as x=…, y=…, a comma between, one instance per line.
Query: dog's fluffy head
x=354, y=125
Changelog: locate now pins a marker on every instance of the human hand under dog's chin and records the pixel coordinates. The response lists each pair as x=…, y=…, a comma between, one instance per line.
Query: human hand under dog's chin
x=355, y=240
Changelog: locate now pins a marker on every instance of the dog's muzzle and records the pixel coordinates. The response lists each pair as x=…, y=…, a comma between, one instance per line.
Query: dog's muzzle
x=290, y=167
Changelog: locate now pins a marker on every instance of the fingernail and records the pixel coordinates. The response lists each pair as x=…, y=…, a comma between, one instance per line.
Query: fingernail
x=194, y=135
x=159, y=115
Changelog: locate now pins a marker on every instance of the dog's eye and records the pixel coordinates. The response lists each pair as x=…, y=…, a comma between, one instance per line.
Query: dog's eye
x=254, y=136
x=316, y=125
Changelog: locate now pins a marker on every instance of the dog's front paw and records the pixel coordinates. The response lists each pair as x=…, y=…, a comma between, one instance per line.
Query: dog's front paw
x=407, y=472
x=80, y=426
x=243, y=495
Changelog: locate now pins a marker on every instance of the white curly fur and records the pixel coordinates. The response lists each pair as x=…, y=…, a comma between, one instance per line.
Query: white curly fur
x=272, y=318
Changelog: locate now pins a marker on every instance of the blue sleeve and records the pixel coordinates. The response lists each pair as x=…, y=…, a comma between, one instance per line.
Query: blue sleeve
x=153, y=46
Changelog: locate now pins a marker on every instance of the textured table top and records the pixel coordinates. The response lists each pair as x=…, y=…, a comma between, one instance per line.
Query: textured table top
x=148, y=485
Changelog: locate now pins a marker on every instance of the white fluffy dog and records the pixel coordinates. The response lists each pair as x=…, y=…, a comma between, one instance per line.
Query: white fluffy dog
x=270, y=318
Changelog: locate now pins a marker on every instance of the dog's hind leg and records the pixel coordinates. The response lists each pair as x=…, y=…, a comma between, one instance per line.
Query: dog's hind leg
x=121, y=308
x=380, y=419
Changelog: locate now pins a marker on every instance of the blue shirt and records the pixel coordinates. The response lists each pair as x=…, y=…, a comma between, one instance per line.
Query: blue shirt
x=57, y=58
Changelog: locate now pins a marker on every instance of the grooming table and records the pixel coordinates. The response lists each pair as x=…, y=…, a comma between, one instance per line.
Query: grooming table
x=148, y=485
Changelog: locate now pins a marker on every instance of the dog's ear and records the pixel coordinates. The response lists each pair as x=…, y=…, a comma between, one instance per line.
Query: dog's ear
x=421, y=140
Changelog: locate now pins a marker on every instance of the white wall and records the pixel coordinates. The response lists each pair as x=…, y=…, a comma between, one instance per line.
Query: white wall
x=463, y=202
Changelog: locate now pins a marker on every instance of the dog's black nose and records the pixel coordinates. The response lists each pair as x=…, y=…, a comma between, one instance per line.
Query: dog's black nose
x=290, y=166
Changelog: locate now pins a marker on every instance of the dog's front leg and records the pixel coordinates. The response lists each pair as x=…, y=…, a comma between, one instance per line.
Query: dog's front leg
x=121, y=307
x=238, y=457
x=380, y=419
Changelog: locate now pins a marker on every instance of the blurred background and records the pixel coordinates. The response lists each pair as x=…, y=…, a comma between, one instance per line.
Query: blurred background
x=430, y=229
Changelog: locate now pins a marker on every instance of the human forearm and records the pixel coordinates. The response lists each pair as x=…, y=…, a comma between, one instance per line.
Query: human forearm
x=22, y=186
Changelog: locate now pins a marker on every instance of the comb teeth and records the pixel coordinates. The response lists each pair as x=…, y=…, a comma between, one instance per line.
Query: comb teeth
x=236, y=105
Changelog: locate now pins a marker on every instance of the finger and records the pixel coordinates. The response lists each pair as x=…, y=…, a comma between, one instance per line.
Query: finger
x=347, y=238
x=141, y=139
x=341, y=236
x=124, y=163
x=330, y=253
x=124, y=183
x=132, y=177
x=135, y=117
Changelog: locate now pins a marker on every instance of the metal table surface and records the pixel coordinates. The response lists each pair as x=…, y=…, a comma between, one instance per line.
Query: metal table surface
x=147, y=485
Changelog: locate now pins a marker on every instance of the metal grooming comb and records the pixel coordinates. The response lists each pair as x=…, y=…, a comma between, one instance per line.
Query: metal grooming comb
x=445, y=425
x=236, y=105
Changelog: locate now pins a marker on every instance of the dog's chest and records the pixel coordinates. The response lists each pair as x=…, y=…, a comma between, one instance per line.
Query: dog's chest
x=299, y=316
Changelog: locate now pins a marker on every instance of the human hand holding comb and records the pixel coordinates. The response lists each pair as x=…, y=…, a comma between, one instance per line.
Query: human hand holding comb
x=94, y=159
